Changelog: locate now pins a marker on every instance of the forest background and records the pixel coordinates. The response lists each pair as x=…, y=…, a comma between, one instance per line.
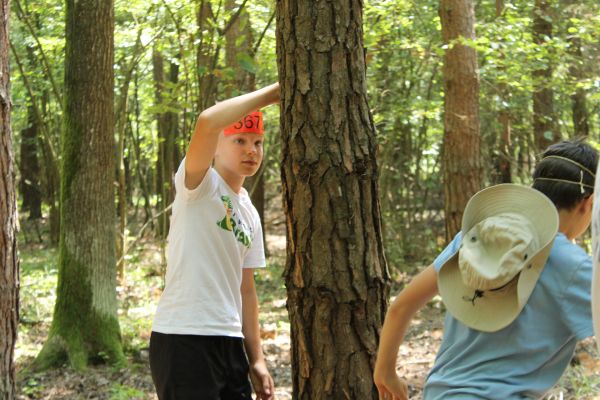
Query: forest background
x=539, y=82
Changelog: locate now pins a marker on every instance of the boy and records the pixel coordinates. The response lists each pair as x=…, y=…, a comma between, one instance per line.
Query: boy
x=517, y=295
x=207, y=318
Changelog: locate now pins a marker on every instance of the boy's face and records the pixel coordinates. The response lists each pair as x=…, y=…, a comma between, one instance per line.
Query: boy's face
x=240, y=153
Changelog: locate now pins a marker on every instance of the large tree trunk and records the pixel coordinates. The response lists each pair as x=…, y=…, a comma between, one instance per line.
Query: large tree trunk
x=336, y=273
x=461, y=157
x=9, y=265
x=85, y=326
x=545, y=128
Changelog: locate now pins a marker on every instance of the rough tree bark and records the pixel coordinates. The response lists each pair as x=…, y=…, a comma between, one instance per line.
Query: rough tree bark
x=336, y=274
x=9, y=264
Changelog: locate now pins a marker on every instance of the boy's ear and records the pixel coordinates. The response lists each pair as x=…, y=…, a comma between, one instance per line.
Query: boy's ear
x=586, y=204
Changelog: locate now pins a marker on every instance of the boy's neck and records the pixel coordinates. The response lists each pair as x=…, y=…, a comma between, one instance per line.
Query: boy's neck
x=572, y=222
x=565, y=224
x=234, y=181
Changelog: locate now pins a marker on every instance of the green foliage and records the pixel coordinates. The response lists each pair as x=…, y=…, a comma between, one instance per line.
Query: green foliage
x=32, y=387
x=138, y=303
x=38, y=285
x=404, y=59
x=404, y=67
x=578, y=383
x=246, y=62
x=404, y=55
x=124, y=392
x=271, y=291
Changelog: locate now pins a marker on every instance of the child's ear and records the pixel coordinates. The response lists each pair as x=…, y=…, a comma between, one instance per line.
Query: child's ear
x=586, y=204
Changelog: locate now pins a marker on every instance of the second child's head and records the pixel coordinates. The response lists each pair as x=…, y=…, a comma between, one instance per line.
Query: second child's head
x=240, y=147
x=566, y=175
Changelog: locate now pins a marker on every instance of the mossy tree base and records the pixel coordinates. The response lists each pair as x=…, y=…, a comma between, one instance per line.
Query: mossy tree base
x=79, y=351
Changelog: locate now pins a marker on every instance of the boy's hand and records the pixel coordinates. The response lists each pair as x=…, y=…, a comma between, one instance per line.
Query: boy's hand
x=391, y=387
x=261, y=381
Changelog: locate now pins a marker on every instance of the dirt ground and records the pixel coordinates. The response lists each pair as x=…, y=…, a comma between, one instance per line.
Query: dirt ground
x=415, y=358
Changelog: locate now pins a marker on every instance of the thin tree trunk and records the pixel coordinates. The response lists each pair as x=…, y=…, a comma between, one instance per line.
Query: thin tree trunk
x=503, y=160
x=336, y=273
x=545, y=128
x=49, y=156
x=26, y=19
x=167, y=130
x=30, y=169
x=204, y=57
x=137, y=153
x=121, y=248
x=9, y=263
x=462, y=169
x=120, y=123
x=85, y=326
x=581, y=116
x=142, y=178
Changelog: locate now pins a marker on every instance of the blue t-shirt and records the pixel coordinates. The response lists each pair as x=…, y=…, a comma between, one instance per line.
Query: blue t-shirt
x=526, y=358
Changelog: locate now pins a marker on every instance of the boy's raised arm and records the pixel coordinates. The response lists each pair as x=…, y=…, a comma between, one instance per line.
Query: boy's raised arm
x=212, y=121
x=410, y=300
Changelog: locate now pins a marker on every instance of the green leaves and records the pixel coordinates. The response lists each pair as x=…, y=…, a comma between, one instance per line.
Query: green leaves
x=246, y=62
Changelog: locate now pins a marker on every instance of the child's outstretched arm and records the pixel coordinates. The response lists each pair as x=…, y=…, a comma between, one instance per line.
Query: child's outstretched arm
x=410, y=300
x=212, y=121
x=262, y=382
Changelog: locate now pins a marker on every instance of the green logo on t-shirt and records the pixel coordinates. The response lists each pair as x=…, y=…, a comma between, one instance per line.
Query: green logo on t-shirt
x=229, y=223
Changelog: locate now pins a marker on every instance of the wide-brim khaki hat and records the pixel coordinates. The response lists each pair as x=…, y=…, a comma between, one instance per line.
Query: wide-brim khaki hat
x=512, y=213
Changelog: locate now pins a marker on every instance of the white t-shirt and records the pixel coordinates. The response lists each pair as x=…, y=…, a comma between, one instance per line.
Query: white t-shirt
x=214, y=234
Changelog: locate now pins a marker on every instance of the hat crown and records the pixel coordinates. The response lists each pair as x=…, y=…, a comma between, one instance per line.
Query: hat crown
x=495, y=250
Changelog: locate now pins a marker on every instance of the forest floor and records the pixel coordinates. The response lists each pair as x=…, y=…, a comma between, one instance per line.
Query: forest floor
x=138, y=295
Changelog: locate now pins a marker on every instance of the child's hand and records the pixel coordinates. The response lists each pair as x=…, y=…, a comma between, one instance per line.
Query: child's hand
x=261, y=381
x=391, y=387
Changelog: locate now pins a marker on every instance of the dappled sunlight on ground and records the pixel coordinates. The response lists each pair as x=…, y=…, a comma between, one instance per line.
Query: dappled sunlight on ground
x=138, y=295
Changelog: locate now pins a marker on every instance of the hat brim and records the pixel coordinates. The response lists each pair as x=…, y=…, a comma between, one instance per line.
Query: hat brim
x=497, y=309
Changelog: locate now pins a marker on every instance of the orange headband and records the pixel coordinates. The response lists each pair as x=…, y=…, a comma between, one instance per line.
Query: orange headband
x=251, y=123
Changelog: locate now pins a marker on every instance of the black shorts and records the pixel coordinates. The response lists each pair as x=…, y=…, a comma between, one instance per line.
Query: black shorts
x=192, y=367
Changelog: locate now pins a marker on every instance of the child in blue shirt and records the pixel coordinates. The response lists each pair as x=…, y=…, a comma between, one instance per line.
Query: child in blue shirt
x=513, y=338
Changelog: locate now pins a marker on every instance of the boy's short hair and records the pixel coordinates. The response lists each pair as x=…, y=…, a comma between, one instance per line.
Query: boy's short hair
x=568, y=176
